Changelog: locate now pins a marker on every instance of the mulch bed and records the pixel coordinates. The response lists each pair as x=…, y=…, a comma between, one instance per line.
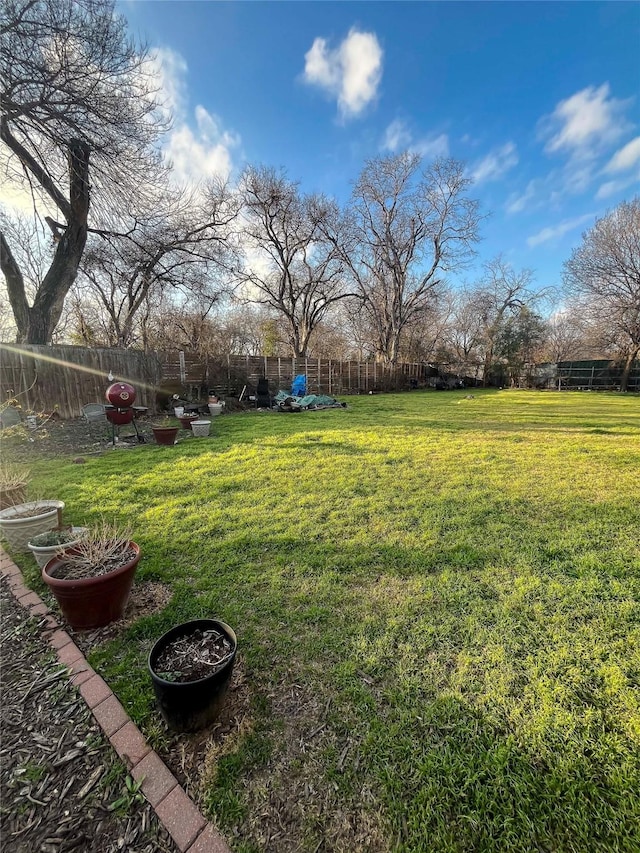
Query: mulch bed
x=63, y=788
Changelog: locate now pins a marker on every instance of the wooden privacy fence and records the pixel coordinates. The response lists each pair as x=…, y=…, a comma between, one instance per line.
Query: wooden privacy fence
x=324, y=376
x=64, y=378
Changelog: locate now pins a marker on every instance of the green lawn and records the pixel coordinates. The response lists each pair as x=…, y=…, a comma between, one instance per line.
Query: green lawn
x=436, y=600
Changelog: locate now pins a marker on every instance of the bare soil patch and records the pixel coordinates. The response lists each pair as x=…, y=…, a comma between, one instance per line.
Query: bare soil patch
x=74, y=438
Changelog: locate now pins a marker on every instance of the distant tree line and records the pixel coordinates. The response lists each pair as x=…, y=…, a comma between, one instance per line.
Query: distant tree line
x=116, y=254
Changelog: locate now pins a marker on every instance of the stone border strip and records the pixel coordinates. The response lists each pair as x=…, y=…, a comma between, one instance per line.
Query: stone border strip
x=175, y=810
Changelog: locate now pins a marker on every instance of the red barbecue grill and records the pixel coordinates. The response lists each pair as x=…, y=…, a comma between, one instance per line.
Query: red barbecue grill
x=121, y=397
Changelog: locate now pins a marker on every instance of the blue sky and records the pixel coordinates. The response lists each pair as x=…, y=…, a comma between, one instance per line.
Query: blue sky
x=541, y=101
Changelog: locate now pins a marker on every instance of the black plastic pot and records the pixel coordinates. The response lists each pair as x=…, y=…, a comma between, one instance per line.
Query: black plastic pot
x=191, y=705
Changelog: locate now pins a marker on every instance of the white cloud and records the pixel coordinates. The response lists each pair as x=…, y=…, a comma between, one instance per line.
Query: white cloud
x=556, y=231
x=198, y=146
x=585, y=123
x=610, y=188
x=496, y=163
x=432, y=146
x=351, y=72
x=170, y=71
x=625, y=158
x=204, y=153
x=516, y=203
x=398, y=137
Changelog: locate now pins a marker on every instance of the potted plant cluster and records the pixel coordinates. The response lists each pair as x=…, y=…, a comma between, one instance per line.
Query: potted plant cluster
x=191, y=667
x=44, y=546
x=91, y=580
x=21, y=522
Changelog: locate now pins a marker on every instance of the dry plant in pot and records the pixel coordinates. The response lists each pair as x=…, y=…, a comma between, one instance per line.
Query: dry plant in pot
x=13, y=484
x=91, y=581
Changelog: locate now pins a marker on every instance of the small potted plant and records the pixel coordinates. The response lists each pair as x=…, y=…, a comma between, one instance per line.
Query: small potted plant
x=190, y=668
x=44, y=546
x=13, y=485
x=21, y=522
x=91, y=581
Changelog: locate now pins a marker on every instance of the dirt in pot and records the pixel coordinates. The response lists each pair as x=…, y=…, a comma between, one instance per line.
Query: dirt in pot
x=78, y=566
x=32, y=512
x=193, y=656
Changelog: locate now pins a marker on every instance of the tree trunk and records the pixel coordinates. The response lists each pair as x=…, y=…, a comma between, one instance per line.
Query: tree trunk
x=37, y=324
x=486, y=369
x=15, y=288
x=631, y=357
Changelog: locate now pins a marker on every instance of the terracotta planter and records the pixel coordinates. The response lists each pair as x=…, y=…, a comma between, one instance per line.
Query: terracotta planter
x=18, y=527
x=187, y=706
x=165, y=435
x=187, y=420
x=44, y=553
x=92, y=602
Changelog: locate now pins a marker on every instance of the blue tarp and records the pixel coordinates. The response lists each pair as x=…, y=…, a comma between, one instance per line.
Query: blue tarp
x=308, y=401
x=299, y=386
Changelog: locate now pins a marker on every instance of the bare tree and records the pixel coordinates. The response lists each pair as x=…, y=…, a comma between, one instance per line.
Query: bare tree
x=291, y=266
x=463, y=334
x=603, y=273
x=74, y=89
x=403, y=231
x=501, y=294
x=565, y=336
x=182, y=245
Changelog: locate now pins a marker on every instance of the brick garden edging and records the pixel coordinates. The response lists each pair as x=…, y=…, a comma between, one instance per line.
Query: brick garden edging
x=175, y=810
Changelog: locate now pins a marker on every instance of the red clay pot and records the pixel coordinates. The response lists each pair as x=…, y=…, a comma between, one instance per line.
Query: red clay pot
x=165, y=435
x=185, y=420
x=92, y=602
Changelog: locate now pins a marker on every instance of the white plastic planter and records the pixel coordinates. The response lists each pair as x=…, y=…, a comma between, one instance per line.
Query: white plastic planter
x=45, y=553
x=200, y=428
x=18, y=527
x=215, y=409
